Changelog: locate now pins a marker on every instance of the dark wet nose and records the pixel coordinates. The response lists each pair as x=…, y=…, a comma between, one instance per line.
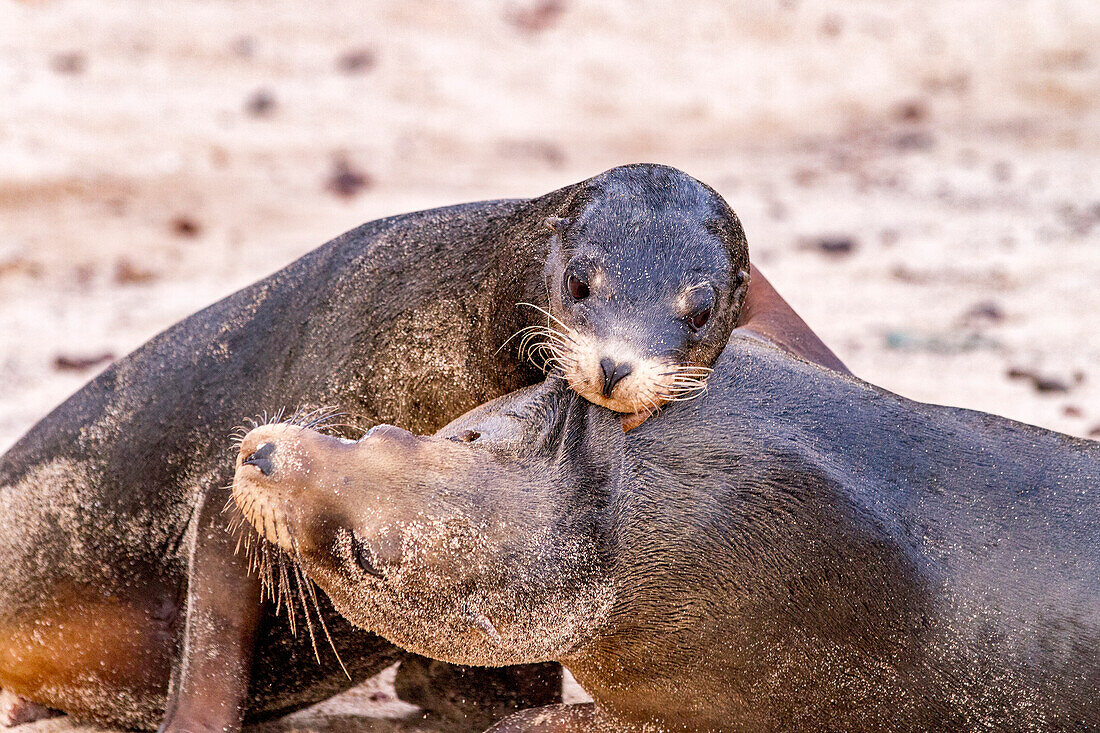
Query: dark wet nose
x=613, y=373
x=261, y=458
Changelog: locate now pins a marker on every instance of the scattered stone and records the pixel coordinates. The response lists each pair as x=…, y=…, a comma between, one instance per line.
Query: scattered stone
x=915, y=140
x=127, y=273
x=834, y=246
x=1080, y=221
x=346, y=181
x=889, y=237
x=804, y=177
x=1094, y=432
x=66, y=363
x=536, y=17
x=1042, y=383
x=356, y=61
x=261, y=103
x=84, y=274
x=913, y=110
x=14, y=261
x=243, y=47
x=987, y=311
x=1072, y=411
x=831, y=26
x=70, y=63
x=185, y=226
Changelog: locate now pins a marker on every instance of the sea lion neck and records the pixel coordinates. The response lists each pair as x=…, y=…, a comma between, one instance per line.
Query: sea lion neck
x=550, y=422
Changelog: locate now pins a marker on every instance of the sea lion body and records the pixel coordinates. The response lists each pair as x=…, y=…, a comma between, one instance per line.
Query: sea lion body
x=100, y=499
x=121, y=574
x=794, y=550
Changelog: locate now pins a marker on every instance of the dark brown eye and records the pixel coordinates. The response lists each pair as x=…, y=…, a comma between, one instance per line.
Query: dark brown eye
x=577, y=288
x=700, y=319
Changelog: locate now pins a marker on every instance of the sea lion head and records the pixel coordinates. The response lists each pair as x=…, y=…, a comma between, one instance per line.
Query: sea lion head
x=647, y=272
x=481, y=545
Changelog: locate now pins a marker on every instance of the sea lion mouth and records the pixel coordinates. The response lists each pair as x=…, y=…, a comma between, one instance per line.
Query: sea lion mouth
x=265, y=512
x=610, y=373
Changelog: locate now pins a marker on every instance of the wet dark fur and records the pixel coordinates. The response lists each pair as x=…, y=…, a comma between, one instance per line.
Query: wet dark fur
x=397, y=321
x=799, y=550
x=847, y=559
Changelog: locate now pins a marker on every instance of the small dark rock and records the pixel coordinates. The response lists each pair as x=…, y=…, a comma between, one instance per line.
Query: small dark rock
x=536, y=17
x=66, y=363
x=127, y=273
x=1050, y=384
x=986, y=311
x=831, y=26
x=913, y=110
x=243, y=46
x=345, y=181
x=1002, y=171
x=835, y=246
x=805, y=177
x=261, y=103
x=70, y=63
x=1094, y=432
x=916, y=140
x=1040, y=382
x=356, y=61
x=1073, y=411
x=185, y=226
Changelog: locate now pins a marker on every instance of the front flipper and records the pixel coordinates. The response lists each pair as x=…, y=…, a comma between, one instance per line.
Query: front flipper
x=583, y=718
x=210, y=679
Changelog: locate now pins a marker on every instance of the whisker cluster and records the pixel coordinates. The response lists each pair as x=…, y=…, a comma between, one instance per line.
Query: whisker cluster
x=282, y=579
x=548, y=347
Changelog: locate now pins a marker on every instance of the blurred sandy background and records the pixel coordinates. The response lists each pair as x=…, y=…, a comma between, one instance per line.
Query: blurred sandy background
x=920, y=179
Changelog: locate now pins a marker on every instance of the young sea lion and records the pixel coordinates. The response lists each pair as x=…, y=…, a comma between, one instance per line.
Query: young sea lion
x=121, y=574
x=796, y=550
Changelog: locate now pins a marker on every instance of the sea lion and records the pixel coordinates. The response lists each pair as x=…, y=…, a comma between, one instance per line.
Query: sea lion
x=795, y=550
x=121, y=575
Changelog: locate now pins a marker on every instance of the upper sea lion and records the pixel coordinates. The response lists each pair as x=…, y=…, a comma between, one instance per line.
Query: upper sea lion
x=121, y=574
x=796, y=550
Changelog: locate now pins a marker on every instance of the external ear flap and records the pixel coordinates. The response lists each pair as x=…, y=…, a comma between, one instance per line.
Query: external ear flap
x=740, y=290
x=555, y=224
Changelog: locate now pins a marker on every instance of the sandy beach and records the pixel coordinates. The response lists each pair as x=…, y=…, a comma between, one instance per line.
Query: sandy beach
x=920, y=180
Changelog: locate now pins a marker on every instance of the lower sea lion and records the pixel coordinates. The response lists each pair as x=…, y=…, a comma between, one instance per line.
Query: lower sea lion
x=796, y=550
x=125, y=601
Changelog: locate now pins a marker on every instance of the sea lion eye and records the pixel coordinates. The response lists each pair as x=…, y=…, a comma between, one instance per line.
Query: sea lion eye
x=577, y=288
x=700, y=319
